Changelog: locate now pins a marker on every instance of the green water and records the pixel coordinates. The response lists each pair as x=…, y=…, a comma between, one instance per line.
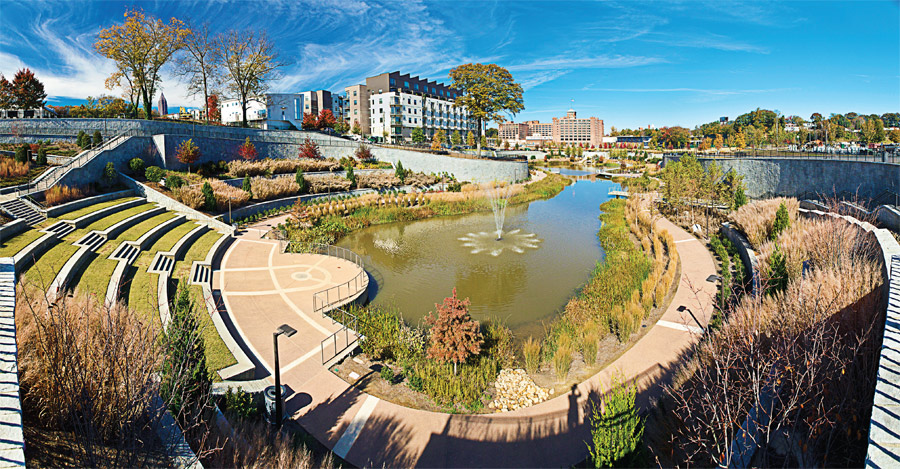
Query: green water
x=548, y=250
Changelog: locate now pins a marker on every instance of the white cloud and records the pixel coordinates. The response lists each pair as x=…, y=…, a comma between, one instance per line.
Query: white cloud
x=572, y=62
x=539, y=78
x=688, y=90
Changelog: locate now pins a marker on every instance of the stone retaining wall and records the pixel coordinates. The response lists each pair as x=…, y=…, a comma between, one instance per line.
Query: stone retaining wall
x=12, y=438
x=169, y=203
x=748, y=255
x=8, y=230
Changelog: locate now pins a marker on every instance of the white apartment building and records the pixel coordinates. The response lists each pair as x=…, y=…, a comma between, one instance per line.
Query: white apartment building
x=272, y=111
x=397, y=104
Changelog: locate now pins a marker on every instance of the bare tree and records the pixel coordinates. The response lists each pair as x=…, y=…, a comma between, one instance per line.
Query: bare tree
x=250, y=63
x=200, y=63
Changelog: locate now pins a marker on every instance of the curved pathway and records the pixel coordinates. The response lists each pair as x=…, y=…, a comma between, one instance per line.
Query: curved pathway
x=367, y=431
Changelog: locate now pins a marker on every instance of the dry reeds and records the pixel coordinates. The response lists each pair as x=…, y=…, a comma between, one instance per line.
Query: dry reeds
x=61, y=194
x=254, y=446
x=192, y=196
x=756, y=219
x=268, y=166
x=562, y=356
x=10, y=168
x=378, y=180
x=272, y=188
x=321, y=184
x=592, y=333
x=531, y=352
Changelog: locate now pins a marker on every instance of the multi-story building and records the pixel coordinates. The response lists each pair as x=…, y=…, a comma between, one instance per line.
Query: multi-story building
x=356, y=107
x=338, y=102
x=315, y=101
x=279, y=111
x=569, y=130
x=572, y=130
x=391, y=105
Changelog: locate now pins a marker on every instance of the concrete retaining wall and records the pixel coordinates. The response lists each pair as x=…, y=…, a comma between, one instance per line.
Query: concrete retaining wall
x=748, y=255
x=58, y=210
x=12, y=228
x=12, y=438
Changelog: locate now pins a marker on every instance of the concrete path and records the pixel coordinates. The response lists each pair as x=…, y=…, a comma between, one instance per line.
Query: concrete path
x=367, y=431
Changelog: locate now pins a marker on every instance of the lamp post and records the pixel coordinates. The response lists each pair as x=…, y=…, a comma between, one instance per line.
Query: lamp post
x=287, y=331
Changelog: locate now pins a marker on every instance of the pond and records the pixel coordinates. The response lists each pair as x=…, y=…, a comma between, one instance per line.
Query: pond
x=547, y=252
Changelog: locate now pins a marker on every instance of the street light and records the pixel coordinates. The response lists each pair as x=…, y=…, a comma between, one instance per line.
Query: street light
x=287, y=331
x=684, y=308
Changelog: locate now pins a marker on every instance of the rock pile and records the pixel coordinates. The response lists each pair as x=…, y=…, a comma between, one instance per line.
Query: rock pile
x=515, y=390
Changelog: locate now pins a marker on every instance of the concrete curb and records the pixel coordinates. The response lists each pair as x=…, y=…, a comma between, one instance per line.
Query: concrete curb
x=12, y=438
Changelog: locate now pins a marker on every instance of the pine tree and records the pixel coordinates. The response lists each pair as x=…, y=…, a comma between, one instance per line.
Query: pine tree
x=400, y=172
x=617, y=431
x=470, y=139
x=351, y=177
x=781, y=223
x=777, y=272
x=301, y=181
x=185, y=379
x=740, y=197
x=23, y=153
x=247, y=187
x=41, y=159
x=209, y=197
x=454, y=334
x=98, y=139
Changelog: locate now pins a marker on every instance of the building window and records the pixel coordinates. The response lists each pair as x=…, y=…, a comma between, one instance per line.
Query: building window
x=416, y=86
x=406, y=84
x=296, y=108
x=393, y=82
x=354, y=93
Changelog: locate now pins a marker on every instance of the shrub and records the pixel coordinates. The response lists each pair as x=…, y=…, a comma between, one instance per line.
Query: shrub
x=23, y=153
x=387, y=373
x=302, y=186
x=41, y=159
x=174, y=181
x=98, y=139
x=267, y=189
x=364, y=153
x=756, y=219
x=590, y=340
x=351, y=177
x=400, y=172
x=240, y=404
x=531, y=352
x=136, y=165
x=454, y=334
x=562, y=356
x=209, y=199
x=240, y=168
x=60, y=194
x=154, y=173
x=310, y=149
x=11, y=168
x=381, y=333
x=328, y=184
x=781, y=223
x=617, y=431
x=740, y=198
x=184, y=379
x=213, y=168
x=247, y=151
x=109, y=176
x=247, y=187
x=80, y=139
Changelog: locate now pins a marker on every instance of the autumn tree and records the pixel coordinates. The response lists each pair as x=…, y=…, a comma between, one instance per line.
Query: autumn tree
x=326, y=120
x=247, y=150
x=454, y=334
x=6, y=94
x=309, y=121
x=250, y=63
x=470, y=139
x=356, y=128
x=187, y=153
x=27, y=91
x=719, y=142
x=309, y=149
x=199, y=64
x=436, y=141
x=140, y=49
x=213, y=113
x=487, y=92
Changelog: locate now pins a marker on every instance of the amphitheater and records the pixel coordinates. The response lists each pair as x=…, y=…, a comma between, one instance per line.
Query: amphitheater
x=135, y=245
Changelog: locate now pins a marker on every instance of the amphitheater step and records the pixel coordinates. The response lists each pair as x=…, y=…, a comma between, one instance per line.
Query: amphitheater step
x=162, y=264
x=201, y=274
x=126, y=252
x=92, y=241
x=60, y=229
x=19, y=209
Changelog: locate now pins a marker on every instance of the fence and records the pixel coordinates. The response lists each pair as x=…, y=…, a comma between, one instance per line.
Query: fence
x=349, y=325
x=50, y=177
x=872, y=156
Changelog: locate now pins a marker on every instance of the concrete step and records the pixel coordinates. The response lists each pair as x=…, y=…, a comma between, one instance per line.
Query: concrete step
x=126, y=252
x=161, y=264
x=60, y=229
x=200, y=274
x=92, y=241
x=21, y=210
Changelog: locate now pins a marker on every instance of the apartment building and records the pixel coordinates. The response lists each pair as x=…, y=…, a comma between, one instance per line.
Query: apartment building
x=567, y=130
x=356, y=107
x=391, y=105
x=272, y=111
x=315, y=101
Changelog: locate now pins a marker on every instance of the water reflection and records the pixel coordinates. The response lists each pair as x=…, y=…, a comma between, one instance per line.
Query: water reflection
x=548, y=251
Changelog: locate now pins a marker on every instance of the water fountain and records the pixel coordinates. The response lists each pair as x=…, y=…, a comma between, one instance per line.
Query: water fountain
x=498, y=195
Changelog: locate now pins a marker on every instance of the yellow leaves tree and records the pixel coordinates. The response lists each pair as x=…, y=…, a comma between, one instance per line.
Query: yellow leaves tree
x=140, y=48
x=739, y=140
x=437, y=140
x=250, y=63
x=719, y=142
x=487, y=92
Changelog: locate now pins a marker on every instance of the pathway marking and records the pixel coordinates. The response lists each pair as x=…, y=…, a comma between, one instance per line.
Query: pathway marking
x=356, y=425
x=237, y=326
x=686, y=240
x=290, y=366
x=290, y=303
x=679, y=327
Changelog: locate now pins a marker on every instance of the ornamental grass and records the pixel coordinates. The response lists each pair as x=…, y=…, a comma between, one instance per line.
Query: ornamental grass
x=61, y=194
x=192, y=196
x=268, y=166
x=264, y=188
x=10, y=168
x=756, y=219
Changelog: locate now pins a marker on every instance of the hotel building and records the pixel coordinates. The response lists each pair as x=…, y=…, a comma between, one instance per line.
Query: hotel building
x=566, y=130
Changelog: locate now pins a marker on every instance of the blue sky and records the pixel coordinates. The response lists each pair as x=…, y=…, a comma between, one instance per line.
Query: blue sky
x=630, y=63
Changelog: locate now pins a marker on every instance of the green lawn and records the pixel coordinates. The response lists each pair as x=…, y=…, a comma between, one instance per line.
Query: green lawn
x=136, y=231
x=42, y=272
x=93, y=208
x=15, y=244
x=217, y=354
x=142, y=290
x=197, y=252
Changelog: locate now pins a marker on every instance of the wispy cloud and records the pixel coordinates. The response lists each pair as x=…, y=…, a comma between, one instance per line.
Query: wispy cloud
x=705, y=41
x=717, y=92
x=572, y=62
x=539, y=78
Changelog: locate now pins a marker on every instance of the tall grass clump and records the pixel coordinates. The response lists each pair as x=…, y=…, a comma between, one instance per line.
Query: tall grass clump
x=562, y=356
x=266, y=188
x=60, y=194
x=193, y=197
x=10, y=168
x=268, y=166
x=757, y=219
x=531, y=353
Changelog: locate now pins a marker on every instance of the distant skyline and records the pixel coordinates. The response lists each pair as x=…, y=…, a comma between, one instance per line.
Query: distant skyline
x=629, y=63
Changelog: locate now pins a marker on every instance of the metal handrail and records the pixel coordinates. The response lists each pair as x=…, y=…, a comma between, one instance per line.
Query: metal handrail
x=347, y=326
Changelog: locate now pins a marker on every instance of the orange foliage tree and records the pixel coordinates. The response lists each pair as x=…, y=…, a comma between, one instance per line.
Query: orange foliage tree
x=187, y=153
x=247, y=150
x=454, y=334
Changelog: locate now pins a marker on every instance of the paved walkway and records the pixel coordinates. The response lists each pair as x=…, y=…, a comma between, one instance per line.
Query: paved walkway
x=367, y=431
